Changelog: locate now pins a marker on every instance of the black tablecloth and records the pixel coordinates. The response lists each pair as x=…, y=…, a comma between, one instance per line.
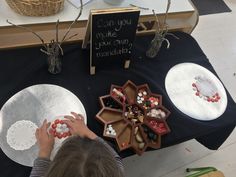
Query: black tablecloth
x=21, y=68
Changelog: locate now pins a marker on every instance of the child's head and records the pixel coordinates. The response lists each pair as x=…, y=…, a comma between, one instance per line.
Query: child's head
x=82, y=157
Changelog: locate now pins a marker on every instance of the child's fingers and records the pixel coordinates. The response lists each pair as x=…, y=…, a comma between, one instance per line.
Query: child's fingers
x=48, y=124
x=37, y=133
x=51, y=137
x=44, y=126
x=69, y=123
x=72, y=119
x=77, y=116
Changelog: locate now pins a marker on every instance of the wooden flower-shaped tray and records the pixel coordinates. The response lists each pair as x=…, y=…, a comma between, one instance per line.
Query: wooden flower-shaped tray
x=134, y=117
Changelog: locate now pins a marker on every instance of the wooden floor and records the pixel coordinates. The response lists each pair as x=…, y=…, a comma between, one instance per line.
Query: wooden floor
x=216, y=35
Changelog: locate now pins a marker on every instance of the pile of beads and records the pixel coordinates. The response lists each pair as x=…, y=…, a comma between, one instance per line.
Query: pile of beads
x=158, y=126
x=138, y=138
x=134, y=114
x=117, y=93
x=156, y=113
x=142, y=96
x=111, y=103
x=59, y=129
x=110, y=130
x=151, y=102
x=150, y=134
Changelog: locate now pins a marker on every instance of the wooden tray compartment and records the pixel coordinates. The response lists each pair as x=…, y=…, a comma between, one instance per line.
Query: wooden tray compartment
x=117, y=126
x=139, y=140
x=124, y=138
x=158, y=112
x=160, y=127
x=118, y=94
x=134, y=114
x=109, y=102
x=153, y=139
x=109, y=115
x=149, y=102
x=130, y=90
x=143, y=93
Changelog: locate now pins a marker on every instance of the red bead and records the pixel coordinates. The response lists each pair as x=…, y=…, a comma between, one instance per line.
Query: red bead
x=197, y=94
x=54, y=126
x=56, y=121
x=194, y=85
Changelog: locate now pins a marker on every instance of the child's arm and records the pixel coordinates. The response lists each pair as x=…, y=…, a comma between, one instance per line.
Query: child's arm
x=45, y=142
x=40, y=167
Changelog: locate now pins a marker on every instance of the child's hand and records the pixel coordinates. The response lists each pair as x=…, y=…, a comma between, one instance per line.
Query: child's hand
x=45, y=140
x=77, y=126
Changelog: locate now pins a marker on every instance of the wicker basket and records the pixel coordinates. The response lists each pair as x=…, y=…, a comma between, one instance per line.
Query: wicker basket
x=36, y=7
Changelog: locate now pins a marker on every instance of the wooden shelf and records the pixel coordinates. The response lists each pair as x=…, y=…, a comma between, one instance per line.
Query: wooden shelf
x=12, y=37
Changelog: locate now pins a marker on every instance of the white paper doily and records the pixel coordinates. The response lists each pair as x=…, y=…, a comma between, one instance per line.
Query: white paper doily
x=178, y=84
x=35, y=104
x=21, y=135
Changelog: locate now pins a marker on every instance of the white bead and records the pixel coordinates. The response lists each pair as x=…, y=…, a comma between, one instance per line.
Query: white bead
x=142, y=99
x=58, y=130
x=64, y=126
x=145, y=93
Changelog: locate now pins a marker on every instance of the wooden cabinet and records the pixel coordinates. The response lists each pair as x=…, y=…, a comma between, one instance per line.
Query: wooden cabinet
x=182, y=17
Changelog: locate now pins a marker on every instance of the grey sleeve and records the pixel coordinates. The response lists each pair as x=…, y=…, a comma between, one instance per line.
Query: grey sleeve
x=40, y=167
x=113, y=152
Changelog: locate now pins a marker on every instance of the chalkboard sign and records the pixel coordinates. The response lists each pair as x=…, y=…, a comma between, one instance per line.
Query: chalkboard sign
x=112, y=33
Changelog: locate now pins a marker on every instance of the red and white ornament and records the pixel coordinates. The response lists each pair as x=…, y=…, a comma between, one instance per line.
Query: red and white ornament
x=59, y=129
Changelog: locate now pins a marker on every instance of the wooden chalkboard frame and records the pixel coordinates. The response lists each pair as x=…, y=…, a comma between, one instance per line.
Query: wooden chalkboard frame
x=88, y=35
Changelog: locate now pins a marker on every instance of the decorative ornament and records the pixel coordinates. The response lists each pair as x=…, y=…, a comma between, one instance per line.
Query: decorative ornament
x=206, y=89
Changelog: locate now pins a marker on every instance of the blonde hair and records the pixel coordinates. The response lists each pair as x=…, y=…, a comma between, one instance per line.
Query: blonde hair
x=82, y=157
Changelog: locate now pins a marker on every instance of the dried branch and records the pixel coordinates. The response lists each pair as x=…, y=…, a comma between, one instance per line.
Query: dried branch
x=57, y=30
x=167, y=10
x=71, y=37
x=157, y=21
x=172, y=35
x=28, y=29
x=168, y=43
x=81, y=8
x=144, y=8
x=62, y=53
x=44, y=51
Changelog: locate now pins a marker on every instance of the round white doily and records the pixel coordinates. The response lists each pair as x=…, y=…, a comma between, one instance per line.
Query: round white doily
x=21, y=135
x=178, y=84
x=35, y=104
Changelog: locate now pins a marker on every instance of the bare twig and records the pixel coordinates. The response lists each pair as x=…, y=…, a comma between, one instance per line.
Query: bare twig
x=81, y=9
x=172, y=35
x=44, y=51
x=167, y=10
x=62, y=53
x=157, y=21
x=28, y=29
x=144, y=8
x=71, y=37
x=57, y=30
